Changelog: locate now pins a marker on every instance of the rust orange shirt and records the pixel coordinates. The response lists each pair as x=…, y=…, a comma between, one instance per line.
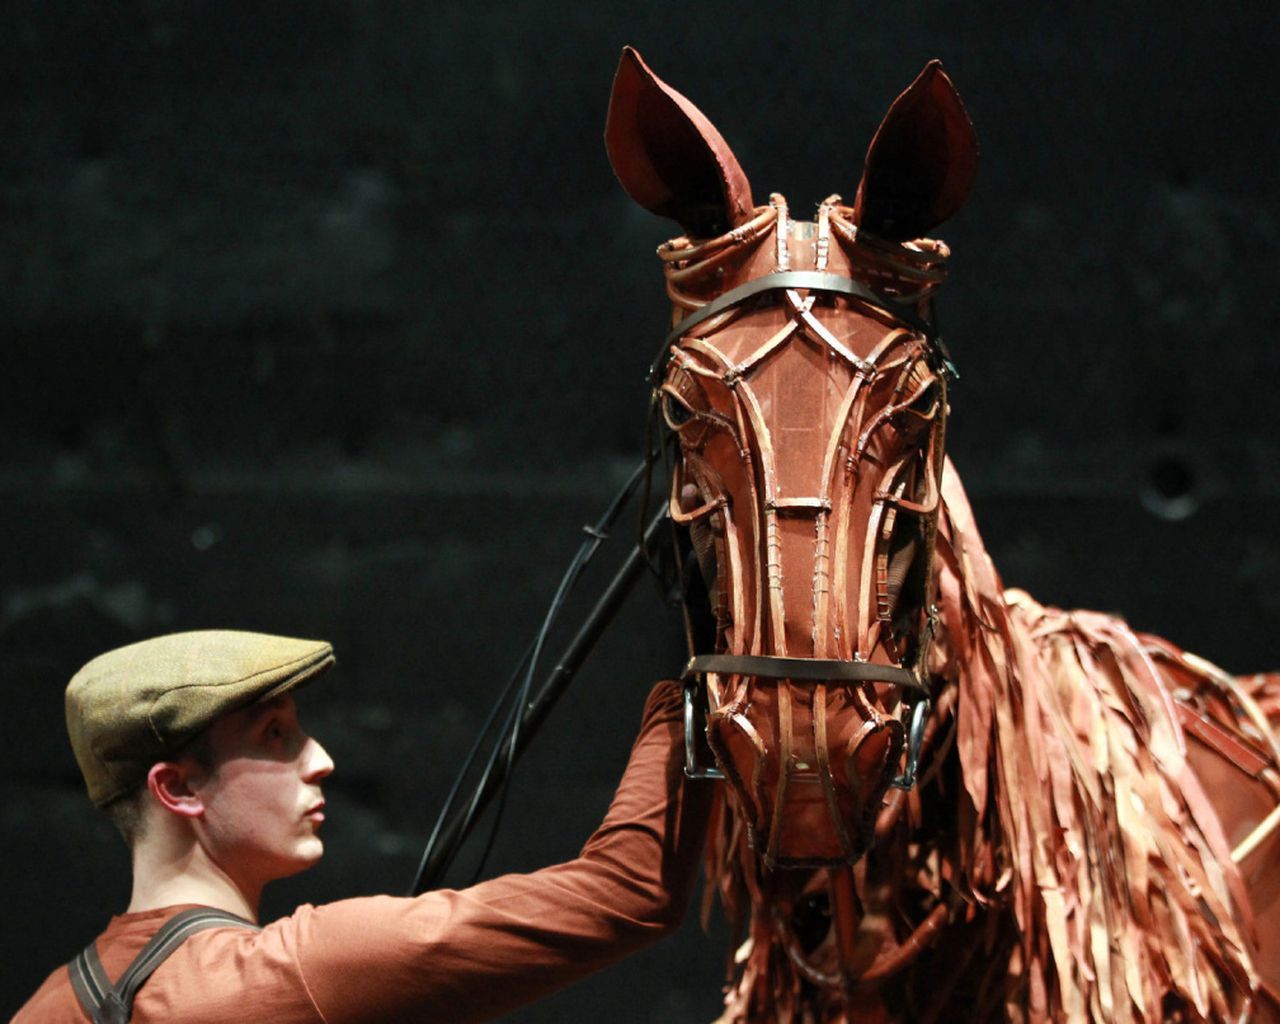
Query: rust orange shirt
x=465, y=955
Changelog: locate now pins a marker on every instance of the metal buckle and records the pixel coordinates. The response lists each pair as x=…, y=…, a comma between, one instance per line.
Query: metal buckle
x=692, y=769
x=915, y=737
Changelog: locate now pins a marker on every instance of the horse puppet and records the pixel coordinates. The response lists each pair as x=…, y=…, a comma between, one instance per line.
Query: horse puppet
x=942, y=800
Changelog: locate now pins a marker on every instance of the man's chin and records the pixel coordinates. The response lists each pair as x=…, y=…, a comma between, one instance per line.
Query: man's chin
x=307, y=855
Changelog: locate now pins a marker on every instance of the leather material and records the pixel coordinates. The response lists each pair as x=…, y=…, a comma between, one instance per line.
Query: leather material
x=808, y=767
x=807, y=279
x=814, y=494
x=812, y=669
x=782, y=467
x=668, y=156
x=922, y=162
x=760, y=473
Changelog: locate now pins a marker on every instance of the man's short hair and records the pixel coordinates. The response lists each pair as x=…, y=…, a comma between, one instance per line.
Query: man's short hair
x=128, y=812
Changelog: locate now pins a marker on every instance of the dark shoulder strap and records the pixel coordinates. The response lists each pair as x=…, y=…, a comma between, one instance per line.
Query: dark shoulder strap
x=90, y=984
x=113, y=1004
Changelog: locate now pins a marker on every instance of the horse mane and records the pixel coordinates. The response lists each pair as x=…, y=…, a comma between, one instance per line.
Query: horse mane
x=1079, y=814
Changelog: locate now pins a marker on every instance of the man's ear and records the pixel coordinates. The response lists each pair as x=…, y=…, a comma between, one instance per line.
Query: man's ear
x=170, y=783
x=669, y=157
x=921, y=164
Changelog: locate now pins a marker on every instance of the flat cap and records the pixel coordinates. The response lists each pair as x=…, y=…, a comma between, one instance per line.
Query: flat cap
x=134, y=706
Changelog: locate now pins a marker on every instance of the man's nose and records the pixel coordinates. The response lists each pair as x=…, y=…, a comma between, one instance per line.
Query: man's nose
x=316, y=761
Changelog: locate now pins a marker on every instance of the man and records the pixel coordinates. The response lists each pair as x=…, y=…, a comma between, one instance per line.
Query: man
x=192, y=744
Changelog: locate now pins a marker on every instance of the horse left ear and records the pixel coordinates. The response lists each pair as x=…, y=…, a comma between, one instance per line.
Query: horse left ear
x=669, y=157
x=921, y=164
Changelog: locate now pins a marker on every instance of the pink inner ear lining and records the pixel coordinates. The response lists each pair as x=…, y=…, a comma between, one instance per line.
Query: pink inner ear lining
x=667, y=155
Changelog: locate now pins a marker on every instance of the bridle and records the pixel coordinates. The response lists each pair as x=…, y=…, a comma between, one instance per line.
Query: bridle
x=813, y=280
x=693, y=331
x=913, y=330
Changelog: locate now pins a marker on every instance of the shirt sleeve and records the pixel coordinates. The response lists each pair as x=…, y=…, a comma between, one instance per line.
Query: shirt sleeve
x=471, y=954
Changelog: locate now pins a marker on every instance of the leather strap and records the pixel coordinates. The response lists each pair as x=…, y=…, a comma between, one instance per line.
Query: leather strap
x=822, y=670
x=1230, y=746
x=813, y=280
x=113, y=1004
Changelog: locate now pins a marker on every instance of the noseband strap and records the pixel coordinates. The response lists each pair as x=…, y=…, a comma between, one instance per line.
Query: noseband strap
x=822, y=670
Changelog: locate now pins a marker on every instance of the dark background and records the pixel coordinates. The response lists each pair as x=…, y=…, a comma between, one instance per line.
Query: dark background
x=329, y=319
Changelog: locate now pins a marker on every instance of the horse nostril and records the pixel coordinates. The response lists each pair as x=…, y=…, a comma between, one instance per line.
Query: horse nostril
x=811, y=920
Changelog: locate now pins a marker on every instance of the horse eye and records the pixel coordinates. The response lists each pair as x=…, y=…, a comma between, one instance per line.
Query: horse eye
x=925, y=404
x=676, y=414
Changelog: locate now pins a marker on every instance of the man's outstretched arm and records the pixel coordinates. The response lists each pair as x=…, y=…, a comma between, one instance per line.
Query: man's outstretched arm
x=475, y=953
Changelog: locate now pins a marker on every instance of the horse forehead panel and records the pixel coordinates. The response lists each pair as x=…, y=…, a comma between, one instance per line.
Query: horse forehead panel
x=800, y=392
x=795, y=390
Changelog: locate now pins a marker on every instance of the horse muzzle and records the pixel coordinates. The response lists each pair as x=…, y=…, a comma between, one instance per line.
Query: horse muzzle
x=808, y=757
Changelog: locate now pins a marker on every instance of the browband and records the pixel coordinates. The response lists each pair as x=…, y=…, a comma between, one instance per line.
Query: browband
x=813, y=280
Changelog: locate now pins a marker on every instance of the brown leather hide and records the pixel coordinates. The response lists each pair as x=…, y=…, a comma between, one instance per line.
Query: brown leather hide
x=811, y=479
x=810, y=436
x=1058, y=858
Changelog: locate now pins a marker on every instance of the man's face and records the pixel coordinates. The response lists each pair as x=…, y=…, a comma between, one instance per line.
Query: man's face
x=262, y=801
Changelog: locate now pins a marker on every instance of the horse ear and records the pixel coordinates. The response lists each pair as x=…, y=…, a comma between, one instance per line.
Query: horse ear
x=669, y=157
x=921, y=163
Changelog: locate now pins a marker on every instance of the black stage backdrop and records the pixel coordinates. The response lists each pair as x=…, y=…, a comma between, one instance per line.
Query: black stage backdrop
x=329, y=319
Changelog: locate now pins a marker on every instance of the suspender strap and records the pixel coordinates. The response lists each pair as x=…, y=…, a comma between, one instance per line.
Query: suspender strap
x=113, y=1004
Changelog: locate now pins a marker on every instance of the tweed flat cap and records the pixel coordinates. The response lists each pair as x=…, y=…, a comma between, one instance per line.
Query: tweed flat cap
x=134, y=706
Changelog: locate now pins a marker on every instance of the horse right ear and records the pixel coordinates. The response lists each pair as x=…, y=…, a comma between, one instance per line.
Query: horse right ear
x=669, y=157
x=921, y=163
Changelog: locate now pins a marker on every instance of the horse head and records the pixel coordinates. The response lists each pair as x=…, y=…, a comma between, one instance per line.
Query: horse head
x=807, y=387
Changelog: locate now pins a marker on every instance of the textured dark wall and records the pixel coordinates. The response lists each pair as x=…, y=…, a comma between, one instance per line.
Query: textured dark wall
x=329, y=319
